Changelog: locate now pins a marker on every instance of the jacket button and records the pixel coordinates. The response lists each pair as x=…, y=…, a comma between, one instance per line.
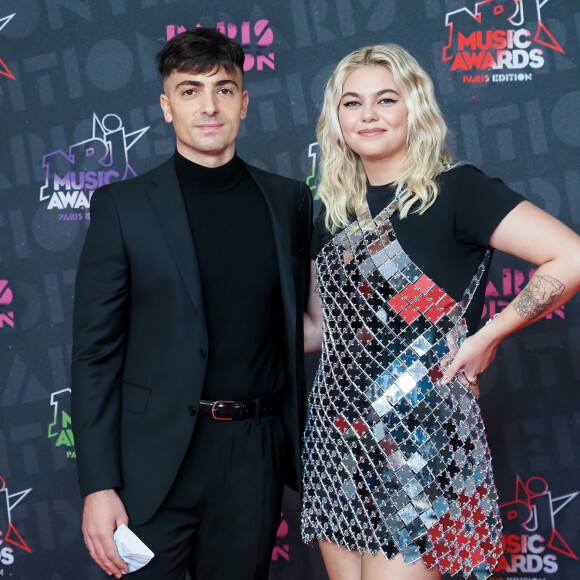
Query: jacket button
x=191, y=410
x=202, y=353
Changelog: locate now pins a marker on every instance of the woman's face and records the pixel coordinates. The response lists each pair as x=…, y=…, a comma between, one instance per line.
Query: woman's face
x=373, y=117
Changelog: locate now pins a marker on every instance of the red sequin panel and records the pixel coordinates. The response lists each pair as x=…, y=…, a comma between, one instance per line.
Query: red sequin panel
x=453, y=549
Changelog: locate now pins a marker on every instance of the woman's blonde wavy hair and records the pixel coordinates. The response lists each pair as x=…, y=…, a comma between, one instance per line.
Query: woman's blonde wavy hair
x=343, y=181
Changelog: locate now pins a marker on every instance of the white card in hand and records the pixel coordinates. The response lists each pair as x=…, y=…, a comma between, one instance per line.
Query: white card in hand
x=133, y=551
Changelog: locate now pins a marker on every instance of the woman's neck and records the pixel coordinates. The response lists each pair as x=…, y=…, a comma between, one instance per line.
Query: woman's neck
x=381, y=171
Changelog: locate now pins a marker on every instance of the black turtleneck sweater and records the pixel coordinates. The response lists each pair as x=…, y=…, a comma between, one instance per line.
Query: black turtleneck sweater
x=234, y=242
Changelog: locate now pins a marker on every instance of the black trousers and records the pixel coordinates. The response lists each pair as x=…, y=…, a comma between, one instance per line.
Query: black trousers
x=220, y=518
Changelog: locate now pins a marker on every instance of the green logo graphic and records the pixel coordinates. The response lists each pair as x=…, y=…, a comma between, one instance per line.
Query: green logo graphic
x=60, y=428
x=313, y=178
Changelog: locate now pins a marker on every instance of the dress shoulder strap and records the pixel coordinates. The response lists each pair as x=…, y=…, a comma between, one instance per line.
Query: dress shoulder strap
x=475, y=281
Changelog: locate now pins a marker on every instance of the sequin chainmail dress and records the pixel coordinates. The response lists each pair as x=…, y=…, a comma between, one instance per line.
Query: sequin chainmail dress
x=395, y=462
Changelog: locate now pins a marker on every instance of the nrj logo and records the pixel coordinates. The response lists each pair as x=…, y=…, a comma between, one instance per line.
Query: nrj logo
x=531, y=541
x=60, y=428
x=4, y=70
x=6, y=297
x=497, y=35
x=255, y=39
x=73, y=176
x=10, y=539
x=314, y=177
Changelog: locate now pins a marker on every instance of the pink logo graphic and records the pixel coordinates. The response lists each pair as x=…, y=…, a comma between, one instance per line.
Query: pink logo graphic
x=4, y=70
x=259, y=35
x=532, y=542
x=281, y=551
x=8, y=533
x=72, y=177
x=494, y=35
x=6, y=298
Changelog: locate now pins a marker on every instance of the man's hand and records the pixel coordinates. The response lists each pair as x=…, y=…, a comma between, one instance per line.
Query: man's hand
x=103, y=513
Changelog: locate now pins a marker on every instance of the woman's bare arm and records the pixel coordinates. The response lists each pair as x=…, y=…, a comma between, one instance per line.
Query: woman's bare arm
x=313, y=316
x=531, y=234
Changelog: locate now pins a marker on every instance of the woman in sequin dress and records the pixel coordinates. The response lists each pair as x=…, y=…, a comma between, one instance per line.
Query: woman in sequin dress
x=397, y=474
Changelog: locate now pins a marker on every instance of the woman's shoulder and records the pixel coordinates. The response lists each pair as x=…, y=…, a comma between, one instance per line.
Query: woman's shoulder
x=477, y=201
x=469, y=182
x=460, y=172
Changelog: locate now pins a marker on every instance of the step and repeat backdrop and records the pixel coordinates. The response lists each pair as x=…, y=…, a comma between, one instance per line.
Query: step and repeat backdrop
x=79, y=107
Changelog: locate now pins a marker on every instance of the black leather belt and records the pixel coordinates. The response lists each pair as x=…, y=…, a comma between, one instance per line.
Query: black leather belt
x=237, y=410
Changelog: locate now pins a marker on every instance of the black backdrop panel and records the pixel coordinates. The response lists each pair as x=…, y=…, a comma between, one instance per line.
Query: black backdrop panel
x=79, y=106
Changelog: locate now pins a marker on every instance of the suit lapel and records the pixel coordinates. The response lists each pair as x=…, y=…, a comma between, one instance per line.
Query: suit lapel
x=279, y=215
x=165, y=196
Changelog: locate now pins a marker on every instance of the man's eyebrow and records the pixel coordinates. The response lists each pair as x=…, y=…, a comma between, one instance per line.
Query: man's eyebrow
x=199, y=84
x=227, y=82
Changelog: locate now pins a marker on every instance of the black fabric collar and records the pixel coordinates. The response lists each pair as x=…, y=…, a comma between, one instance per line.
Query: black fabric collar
x=387, y=189
x=208, y=179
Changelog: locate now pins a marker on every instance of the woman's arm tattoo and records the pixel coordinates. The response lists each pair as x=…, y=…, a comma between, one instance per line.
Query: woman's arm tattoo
x=540, y=292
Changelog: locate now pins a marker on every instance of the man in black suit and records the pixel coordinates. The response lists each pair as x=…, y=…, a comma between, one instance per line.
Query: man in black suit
x=187, y=374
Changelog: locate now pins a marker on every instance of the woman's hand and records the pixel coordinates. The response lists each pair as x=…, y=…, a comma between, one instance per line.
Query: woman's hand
x=473, y=357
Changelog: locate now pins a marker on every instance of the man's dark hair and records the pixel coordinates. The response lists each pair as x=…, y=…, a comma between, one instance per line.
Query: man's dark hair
x=200, y=51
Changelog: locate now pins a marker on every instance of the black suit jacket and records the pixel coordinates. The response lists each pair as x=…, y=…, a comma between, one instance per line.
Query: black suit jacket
x=139, y=333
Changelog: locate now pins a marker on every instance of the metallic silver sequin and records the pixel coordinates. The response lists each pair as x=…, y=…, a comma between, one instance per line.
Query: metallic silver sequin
x=395, y=462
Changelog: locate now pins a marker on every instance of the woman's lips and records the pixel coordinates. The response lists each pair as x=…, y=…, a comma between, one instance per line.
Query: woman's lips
x=371, y=132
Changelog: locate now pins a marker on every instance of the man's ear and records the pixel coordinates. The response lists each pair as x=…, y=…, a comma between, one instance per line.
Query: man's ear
x=166, y=108
x=245, y=101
